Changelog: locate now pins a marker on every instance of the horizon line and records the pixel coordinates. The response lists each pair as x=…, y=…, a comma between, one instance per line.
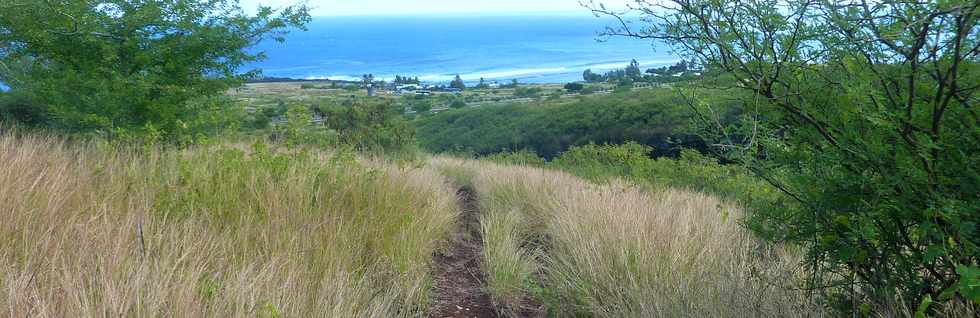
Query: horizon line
x=461, y=13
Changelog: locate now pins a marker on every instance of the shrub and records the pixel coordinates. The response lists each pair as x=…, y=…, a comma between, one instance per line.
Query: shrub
x=21, y=110
x=574, y=87
x=691, y=170
x=523, y=157
x=457, y=103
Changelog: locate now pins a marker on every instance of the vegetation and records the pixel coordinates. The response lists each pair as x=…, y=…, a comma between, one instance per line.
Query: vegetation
x=574, y=87
x=370, y=126
x=400, y=80
x=457, y=83
x=156, y=70
x=808, y=158
x=651, y=117
x=864, y=116
x=91, y=230
x=615, y=250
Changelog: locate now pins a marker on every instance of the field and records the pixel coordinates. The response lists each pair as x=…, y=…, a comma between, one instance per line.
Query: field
x=260, y=95
x=224, y=231
x=241, y=230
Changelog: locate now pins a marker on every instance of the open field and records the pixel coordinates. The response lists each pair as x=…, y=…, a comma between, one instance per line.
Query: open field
x=92, y=231
x=617, y=250
x=260, y=95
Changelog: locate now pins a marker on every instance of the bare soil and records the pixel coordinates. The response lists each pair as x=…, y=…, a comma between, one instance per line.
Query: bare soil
x=460, y=281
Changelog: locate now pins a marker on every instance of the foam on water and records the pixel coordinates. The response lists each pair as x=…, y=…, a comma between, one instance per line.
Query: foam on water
x=532, y=48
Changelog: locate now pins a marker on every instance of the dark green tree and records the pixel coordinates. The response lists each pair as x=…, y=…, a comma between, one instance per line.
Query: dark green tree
x=574, y=87
x=633, y=71
x=591, y=77
x=127, y=67
x=866, y=120
x=458, y=83
x=483, y=84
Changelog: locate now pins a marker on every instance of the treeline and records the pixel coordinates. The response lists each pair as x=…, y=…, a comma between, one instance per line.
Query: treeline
x=657, y=118
x=681, y=71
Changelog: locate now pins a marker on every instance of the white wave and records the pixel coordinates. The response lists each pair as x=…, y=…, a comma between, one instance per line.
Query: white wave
x=507, y=74
x=624, y=64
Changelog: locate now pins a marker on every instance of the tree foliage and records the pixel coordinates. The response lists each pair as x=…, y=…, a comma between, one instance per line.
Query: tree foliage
x=548, y=128
x=458, y=83
x=865, y=118
x=133, y=67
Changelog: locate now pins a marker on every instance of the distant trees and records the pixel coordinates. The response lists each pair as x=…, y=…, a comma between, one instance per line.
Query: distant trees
x=591, y=77
x=633, y=71
x=483, y=84
x=134, y=68
x=678, y=68
x=574, y=87
x=399, y=80
x=458, y=83
x=527, y=92
x=549, y=127
x=865, y=119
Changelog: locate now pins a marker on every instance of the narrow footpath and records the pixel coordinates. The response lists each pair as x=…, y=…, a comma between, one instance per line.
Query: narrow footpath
x=460, y=282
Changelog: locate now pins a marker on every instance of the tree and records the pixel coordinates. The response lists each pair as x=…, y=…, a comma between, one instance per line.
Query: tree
x=591, y=77
x=633, y=71
x=458, y=83
x=154, y=68
x=866, y=122
x=483, y=84
x=574, y=87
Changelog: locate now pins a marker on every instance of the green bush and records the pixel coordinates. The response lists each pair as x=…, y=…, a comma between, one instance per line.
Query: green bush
x=574, y=87
x=655, y=117
x=372, y=126
x=527, y=92
x=691, y=170
x=457, y=103
x=19, y=109
x=523, y=157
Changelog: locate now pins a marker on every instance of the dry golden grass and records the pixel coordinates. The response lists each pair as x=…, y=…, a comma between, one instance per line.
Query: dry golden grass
x=89, y=231
x=616, y=250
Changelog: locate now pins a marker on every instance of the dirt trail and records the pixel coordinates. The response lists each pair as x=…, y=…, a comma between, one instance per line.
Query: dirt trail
x=460, y=282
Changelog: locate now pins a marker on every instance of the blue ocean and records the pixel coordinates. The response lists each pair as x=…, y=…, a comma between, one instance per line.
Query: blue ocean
x=540, y=48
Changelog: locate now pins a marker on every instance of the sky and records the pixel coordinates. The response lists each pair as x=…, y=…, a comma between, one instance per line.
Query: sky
x=388, y=7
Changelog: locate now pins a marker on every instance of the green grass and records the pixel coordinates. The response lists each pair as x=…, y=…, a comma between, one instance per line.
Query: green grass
x=615, y=249
x=217, y=231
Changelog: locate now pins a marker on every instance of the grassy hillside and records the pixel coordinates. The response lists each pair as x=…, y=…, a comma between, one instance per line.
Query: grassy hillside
x=231, y=231
x=616, y=250
x=655, y=117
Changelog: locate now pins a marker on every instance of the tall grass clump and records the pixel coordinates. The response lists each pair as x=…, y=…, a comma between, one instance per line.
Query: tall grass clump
x=618, y=250
x=224, y=231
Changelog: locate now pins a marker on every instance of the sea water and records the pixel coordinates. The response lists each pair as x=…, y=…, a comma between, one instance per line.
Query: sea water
x=538, y=48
